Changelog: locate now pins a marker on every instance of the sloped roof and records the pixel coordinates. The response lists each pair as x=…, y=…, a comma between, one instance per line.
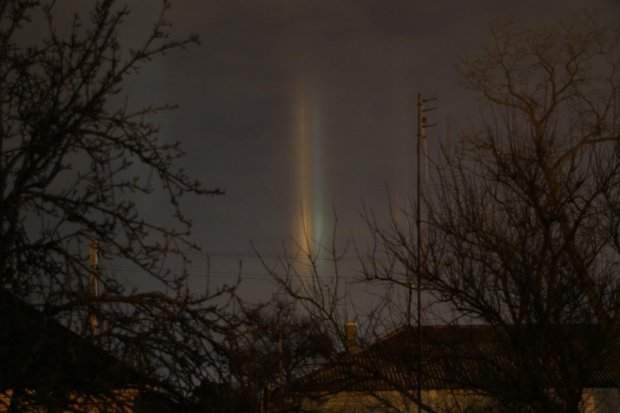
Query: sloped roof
x=36, y=351
x=459, y=357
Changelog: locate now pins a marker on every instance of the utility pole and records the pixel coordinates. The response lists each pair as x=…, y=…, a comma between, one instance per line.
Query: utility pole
x=93, y=285
x=421, y=156
x=207, y=274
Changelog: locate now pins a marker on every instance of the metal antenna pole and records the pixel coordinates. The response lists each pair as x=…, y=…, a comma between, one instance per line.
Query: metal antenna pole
x=420, y=135
x=93, y=282
x=421, y=157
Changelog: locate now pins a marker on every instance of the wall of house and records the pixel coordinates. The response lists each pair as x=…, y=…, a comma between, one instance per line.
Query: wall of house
x=445, y=401
x=5, y=400
x=120, y=401
x=601, y=401
x=441, y=401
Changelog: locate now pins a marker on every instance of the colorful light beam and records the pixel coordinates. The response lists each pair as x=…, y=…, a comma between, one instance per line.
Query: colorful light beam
x=309, y=169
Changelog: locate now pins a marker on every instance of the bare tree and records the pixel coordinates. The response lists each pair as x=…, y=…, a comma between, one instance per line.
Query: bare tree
x=268, y=349
x=75, y=158
x=522, y=225
x=76, y=161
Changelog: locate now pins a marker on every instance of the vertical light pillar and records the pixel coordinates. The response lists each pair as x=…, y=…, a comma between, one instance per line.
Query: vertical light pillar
x=309, y=180
x=303, y=167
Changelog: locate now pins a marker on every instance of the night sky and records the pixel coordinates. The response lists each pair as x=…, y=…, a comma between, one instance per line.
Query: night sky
x=294, y=105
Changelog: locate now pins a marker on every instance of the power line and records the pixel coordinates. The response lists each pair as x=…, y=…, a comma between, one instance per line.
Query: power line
x=273, y=256
x=224, y=273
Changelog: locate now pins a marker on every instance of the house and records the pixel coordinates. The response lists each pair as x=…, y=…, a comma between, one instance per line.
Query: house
x=47, y=367
x=462, y=367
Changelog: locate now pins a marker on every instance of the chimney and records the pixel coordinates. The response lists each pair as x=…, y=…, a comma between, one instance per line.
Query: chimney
x=350, y=335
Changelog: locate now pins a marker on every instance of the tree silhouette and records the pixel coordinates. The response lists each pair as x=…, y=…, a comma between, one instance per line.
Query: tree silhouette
x=522, y=222
x=76, y=162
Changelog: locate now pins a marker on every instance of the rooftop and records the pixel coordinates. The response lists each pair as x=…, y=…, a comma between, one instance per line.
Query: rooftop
x=466, y=357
